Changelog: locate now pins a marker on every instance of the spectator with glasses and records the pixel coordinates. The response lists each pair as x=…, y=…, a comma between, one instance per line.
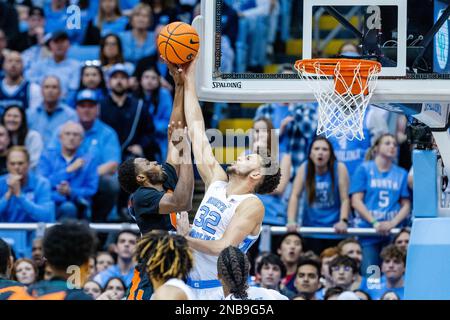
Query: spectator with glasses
x=111, y=53
x=343, y=271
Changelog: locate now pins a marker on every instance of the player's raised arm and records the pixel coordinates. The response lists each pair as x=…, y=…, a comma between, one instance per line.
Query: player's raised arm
x=177, y=115
x=207, y=165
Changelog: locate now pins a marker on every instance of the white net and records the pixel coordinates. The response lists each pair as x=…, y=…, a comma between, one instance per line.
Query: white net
x=341, y=111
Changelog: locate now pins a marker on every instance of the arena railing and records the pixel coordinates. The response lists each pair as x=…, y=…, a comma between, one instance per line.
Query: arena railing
x=265, y=238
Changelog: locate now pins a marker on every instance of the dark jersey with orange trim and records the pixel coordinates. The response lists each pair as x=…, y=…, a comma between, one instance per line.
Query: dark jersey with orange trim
x=143, y=205
x=8, y=287
x=141, y=288
x=56, y=289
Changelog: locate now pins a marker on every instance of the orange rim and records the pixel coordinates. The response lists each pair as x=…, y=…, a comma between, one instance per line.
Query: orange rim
x=327, y=66
x=346, y=69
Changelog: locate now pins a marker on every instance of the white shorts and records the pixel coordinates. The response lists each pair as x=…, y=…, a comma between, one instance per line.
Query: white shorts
x=208, y=294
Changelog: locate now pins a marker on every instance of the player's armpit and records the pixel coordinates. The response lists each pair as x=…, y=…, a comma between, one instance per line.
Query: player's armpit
x=168, y=292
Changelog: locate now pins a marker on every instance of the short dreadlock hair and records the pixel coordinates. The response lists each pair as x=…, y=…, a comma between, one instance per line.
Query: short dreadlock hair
x=271, y=174
x=69, y=243
x=233, y=268
x=127, y=176
x=164, y=255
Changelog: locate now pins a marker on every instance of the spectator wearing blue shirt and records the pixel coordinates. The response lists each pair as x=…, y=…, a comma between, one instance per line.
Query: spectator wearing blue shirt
x=264, y=137
x=58, y=18
x=72, y=174
x=91, y=77
x=327, y=204
x=68, y=70
x=52, y=113
x=111, y=53
x=124, y=268
x=163, y=12
x=343, y=270
x=15, y=120
x=159, y=102
x=102, y=142
x=138, y=42
x=14, y=89
x=380, y=197
x=393, y=268
x=25, y=196
x=109, y=18
x=351, y=247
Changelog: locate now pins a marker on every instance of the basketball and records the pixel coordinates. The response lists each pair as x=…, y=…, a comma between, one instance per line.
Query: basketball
x=178, y=42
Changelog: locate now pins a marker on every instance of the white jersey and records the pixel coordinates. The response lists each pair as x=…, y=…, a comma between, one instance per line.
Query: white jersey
x=211, y=221
x=180, y=285
x=257, y=293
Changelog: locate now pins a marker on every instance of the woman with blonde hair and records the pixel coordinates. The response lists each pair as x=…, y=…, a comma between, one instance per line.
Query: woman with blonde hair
x=380, y=196
x=139, y=42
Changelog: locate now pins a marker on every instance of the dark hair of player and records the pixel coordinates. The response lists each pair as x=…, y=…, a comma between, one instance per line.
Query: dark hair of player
x=127, y=176
x=233, y=268
x=164, y=255
x=269, y=182
x=69, y=243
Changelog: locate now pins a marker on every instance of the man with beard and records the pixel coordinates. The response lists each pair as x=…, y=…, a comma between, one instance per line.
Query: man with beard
x=159, y=190
x=128, y=117
x=14, y=89
x=230, y=213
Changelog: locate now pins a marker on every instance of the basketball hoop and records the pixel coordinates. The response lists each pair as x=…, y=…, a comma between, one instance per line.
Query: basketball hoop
x=342, y=102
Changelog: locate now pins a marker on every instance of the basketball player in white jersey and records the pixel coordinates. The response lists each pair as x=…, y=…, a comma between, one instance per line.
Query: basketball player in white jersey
x=233, y=269
x=230, y=213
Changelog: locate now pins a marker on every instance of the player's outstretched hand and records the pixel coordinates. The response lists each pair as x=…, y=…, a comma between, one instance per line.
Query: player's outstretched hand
x=183, y=227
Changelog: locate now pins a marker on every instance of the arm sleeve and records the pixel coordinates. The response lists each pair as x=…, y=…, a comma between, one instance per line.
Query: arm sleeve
x=359, y=180
x=43, y=210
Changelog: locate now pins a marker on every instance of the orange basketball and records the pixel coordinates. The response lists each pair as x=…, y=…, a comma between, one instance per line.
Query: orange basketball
x=178, y=42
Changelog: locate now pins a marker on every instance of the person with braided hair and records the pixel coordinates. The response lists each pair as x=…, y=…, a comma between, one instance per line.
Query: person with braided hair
x=167, y=260
x=233, y=269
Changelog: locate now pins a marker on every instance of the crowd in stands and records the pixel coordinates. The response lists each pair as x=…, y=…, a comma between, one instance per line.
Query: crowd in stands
x=67, y=124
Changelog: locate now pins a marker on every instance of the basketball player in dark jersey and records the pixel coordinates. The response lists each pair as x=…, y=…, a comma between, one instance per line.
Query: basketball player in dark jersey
x=158, y=191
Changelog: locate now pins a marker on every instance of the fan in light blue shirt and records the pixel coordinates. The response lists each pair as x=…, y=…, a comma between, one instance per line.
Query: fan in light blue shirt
x=28, y=199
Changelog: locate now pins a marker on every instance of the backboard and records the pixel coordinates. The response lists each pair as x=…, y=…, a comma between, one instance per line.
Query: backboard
x=393, y=30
